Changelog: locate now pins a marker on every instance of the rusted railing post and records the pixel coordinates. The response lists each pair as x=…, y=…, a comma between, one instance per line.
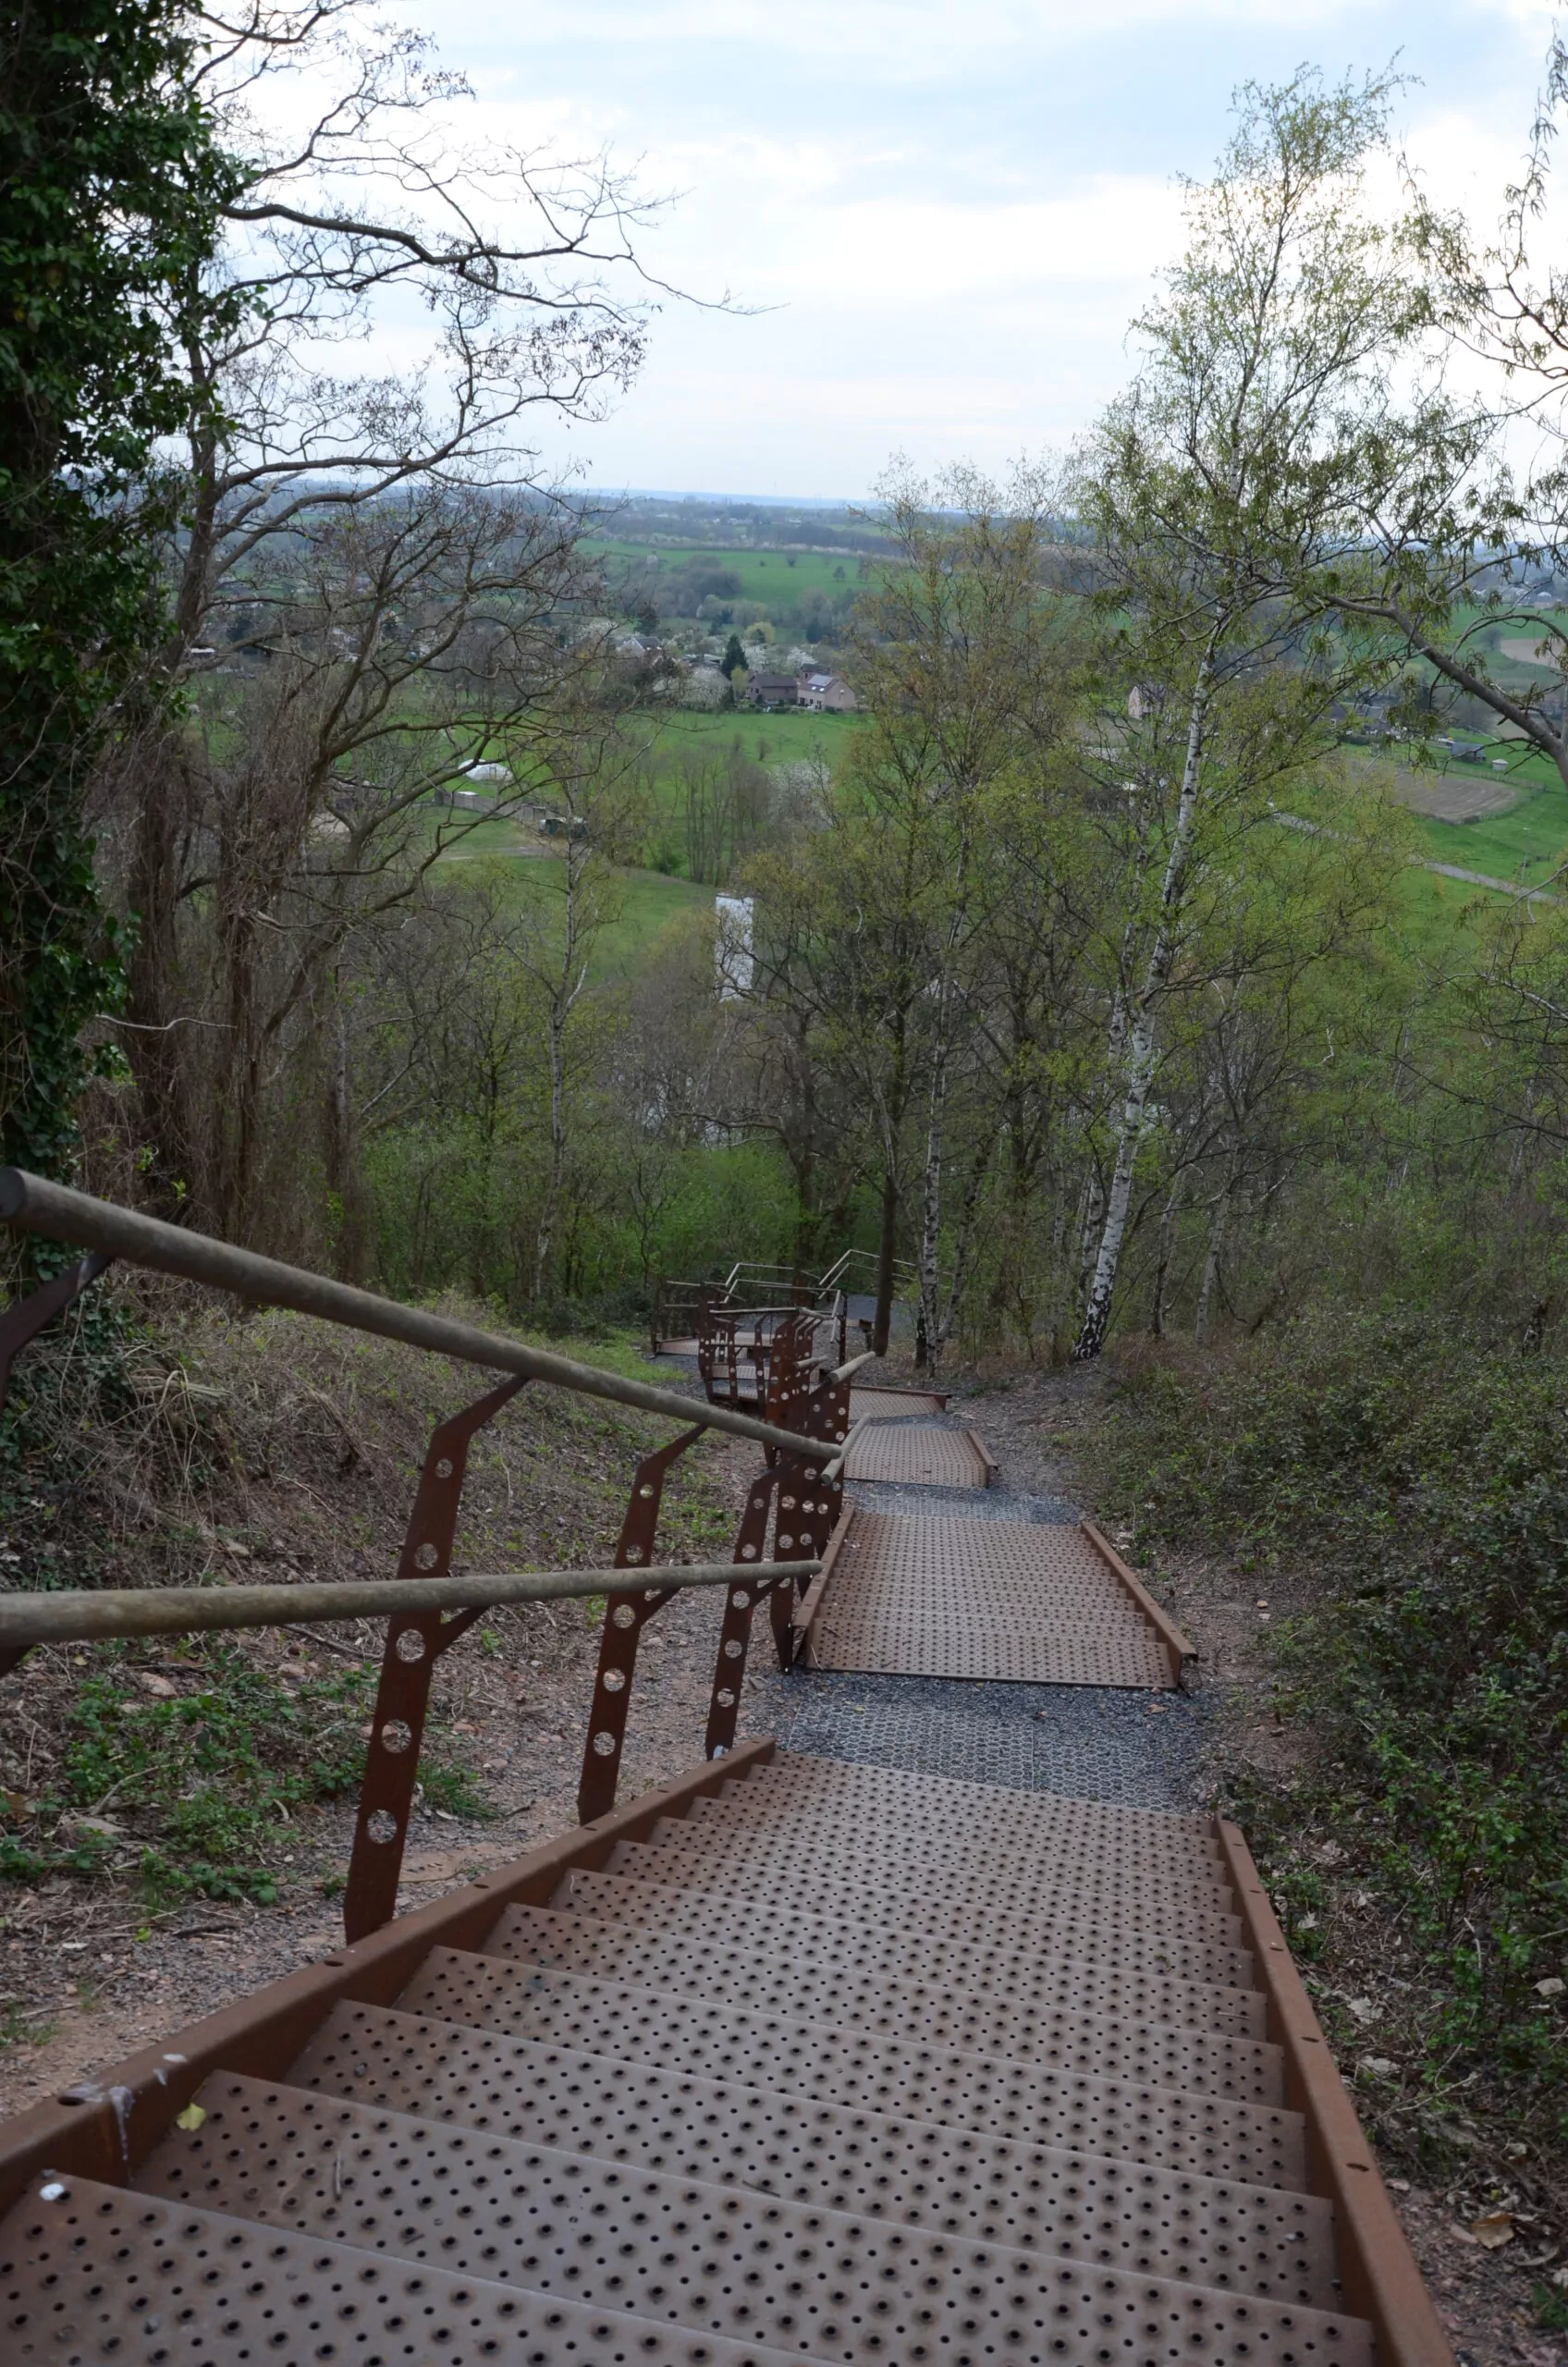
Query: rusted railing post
x=729, y=1669
x=407, y=1662
x=809, y=1501
x=806, y=1511
x=625, y=1617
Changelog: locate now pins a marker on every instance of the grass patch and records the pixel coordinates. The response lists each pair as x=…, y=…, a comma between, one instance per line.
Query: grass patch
x=195, y=1794
x=778, y=580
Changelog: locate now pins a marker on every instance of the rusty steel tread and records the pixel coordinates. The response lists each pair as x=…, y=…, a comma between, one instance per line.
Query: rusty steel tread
x=976, y=2022
x=965, y=2014
x=689, y=2031
x=1014, y=1601
x=1123, y=1912
x=1260, y=2142
x=928, y=1548
x=1032, y=2192
x=915, y=1455
x=998, y=1658
x=892, y=1404
x=866, y=1830
x=799, y=1771
x=923, y=1829
x=1009, y=1894
x=96, y=2274
x=948, y=1801
x=888, y=1856
x=712, y=2259
x=981, y=1807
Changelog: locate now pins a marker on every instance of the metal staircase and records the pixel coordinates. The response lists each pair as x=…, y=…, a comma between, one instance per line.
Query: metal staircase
x=795, y=2058
x=833, y=2063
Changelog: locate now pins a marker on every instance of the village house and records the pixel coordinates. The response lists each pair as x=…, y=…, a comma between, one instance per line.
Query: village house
x=774, y=689
x=825, y=693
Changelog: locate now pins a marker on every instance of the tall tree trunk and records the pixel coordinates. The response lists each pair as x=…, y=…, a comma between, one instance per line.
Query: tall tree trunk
x=544, y=1239
x=1142, y=1052
x=884, y=1246
x=932, y=1324
x=563, y=1001
x=1162, y=1269
x=1211, y=1264
x=341, y=1160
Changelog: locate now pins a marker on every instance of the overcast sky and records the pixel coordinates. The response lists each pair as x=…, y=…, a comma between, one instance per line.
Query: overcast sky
x=948, y=208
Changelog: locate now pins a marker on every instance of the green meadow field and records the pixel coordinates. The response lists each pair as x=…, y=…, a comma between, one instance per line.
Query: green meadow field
x=772, y=578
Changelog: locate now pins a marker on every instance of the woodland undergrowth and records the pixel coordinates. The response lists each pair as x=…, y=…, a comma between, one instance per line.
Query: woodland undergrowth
x=1411, y=1480
x=155, y=1440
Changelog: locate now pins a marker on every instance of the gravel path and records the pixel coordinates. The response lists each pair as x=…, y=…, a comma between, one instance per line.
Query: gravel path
x=1094, y=1742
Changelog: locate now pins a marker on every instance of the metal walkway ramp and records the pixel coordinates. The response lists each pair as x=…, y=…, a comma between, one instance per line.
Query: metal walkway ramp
x=894, y=1405
x=1028, y=1602
x=919, y=1455
x=833, y=2064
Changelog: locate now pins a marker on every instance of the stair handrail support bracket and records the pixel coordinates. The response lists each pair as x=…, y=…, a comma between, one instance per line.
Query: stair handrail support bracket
x=407, y=1662
x=805, y=1508
x=626, y=1615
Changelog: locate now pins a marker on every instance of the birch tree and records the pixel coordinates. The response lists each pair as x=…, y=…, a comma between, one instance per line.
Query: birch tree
x=1472, y=509
x=1224, y=491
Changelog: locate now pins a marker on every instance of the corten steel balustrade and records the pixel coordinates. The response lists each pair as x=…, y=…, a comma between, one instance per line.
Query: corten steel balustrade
x=793, y=2058
x=427, y=1609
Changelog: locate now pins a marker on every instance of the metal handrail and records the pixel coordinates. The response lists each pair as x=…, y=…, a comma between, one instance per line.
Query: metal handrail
x=62, y=1214
x=75, y=1616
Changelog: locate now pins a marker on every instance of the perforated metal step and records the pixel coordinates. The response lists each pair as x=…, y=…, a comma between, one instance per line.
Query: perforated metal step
x=728, y=2261
x=991, y=2188
x=700, y=1861
x=1011, y=1602
x=685, y=2030
x=1255, y=2142
x=843, y=2064
x=835, y=1914
x=950, y=1802
x=892, y=1404
x=986, y=1989
x=914, y=1454
x=977, y=2020
x=91, y=2274
x=986, y=1828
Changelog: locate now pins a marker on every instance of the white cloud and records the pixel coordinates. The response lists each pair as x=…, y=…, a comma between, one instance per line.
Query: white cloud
x=947, y=213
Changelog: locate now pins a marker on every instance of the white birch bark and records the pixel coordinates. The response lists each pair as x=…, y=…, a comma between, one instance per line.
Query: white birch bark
x=1142, y=1050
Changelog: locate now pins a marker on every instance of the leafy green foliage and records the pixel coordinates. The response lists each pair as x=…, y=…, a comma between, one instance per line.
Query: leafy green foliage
x=1551, y=2308
x=208, y=1782
x=110, y=195
x=1420, y=1477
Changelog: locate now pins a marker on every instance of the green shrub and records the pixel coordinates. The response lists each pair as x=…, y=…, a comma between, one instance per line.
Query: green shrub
x=1418, y=1480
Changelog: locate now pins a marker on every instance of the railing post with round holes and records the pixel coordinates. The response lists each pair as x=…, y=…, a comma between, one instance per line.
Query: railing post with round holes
x=810, y=1501
x=407, y=1662
x=626, y=1614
